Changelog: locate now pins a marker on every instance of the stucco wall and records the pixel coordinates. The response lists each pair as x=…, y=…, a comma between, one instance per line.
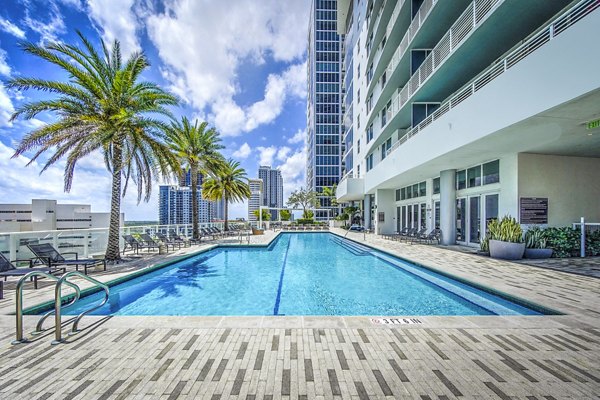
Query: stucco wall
x=571, y=184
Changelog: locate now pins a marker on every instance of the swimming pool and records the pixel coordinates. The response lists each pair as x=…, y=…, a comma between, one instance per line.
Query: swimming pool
x=298, y=274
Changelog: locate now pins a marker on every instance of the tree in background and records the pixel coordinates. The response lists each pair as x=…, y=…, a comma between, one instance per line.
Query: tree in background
x=197, y=147
x=229, y=184
x=303, y=198
x=103, y=107
x=330, y=192
x=285, y=215
x=265, y=214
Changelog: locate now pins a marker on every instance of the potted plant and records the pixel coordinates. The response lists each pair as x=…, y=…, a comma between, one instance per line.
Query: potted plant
x=536, y=244
x=506, y=239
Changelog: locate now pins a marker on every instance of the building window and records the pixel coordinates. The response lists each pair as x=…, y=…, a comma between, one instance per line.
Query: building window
x=422, y=189
x=358, y=147
x=383, y=79
x=369, y=103
x=370, y=74
x=398, y=193
x=358, y=121
x=474, y=176
x=358, y=69
x=461, y=179
x=370, y=133
x=385, y=147
x=491, y=172
x=358, y=96
x=383, y=117
x=403, y=194
x=436, y=186
x=369, y=162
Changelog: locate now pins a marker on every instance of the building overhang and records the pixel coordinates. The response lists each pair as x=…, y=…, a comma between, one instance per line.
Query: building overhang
x=350, y=189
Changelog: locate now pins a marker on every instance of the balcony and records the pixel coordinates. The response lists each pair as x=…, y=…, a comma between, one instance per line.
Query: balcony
x=350, y=189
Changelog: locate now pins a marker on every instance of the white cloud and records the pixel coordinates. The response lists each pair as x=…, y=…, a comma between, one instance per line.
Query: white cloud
x=91, y=185
x=4, y=67
x=202, y=66
x=293, y=172
x=6, y=107
x=299, y=137
x=266, y=154
x=282, y=153
x=243, y=152
x=48, y=29
x=11, y=28
x=116, y=20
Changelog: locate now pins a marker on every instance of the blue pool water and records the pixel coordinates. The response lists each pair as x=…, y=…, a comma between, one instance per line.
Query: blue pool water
x=300, y=274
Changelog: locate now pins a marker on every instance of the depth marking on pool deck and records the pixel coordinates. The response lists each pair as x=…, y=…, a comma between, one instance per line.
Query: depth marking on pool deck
x=278, y=298
x=395, y=321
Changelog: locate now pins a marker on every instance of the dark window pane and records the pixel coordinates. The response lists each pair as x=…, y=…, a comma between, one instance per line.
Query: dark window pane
x=436, y=186
x=422, y=189
x=461, y=179
x=474, y=176
x=491, y=172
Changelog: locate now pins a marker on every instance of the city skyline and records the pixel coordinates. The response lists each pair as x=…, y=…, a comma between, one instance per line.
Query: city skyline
x=257, y=103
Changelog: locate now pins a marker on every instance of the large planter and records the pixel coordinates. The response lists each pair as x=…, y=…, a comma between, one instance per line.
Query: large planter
x=506, y=250
x=538, y=253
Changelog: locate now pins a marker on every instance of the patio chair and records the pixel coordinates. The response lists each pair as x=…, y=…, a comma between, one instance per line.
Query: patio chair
x=165, y=240
x=409, y=234
x=434, y=236
x=146, y=238
x=174, y=235
x=418, y=235
x=134, y=244
x=7, y=268
x=47, y=254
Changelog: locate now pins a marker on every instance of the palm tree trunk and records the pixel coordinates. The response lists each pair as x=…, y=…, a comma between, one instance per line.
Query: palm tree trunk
x=194, y=177
x=226, y=226
x=113, y=252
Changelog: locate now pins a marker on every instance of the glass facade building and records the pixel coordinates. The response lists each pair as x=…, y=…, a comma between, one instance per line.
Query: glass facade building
x=325, y=56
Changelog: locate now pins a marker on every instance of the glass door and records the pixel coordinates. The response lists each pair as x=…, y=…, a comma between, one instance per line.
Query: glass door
x=461, y=220
x=436, y=215
x=474, y=220
x=490, y=210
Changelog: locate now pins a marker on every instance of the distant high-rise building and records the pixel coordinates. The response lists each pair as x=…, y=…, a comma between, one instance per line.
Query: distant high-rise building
x=175, y=203
x=219, y=210
x=325, y=60
x=272, y=192
x=255, y=200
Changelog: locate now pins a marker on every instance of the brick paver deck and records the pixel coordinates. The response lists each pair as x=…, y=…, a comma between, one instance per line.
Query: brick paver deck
x=548, y=357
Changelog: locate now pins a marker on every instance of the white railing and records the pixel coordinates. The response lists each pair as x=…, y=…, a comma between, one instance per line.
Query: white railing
x=85, y=242
x=445, y=47
x=412, y=30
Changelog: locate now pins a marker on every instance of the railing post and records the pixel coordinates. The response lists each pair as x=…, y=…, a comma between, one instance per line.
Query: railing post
x=582, y=254
x=12, y=245
x=19, y=314
x=57, y=311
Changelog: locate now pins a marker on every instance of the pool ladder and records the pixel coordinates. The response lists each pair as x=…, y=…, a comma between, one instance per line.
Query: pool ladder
x=58, y=306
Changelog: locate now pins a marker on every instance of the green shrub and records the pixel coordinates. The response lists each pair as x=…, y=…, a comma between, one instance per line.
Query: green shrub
x=308, y=214
x=564, y=241
x=305, y=221
x=592, y=243
x=285, y=215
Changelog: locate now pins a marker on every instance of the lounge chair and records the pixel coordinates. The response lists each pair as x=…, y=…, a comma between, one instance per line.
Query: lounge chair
x=163, y=238
x=176, y=236
x=146, y=238
x=434, y=236
x=134, y=244
x=7, y=268
x=48, y=255
x=409, y=234
x=418, y=235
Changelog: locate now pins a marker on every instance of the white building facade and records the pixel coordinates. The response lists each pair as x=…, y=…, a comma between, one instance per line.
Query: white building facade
x=464, y=111
x=47, y=215
x=255, y=200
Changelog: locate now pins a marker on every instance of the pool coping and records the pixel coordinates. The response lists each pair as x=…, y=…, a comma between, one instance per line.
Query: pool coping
x=546, y=311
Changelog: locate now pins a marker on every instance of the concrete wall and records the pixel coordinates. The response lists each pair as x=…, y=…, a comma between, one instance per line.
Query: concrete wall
x=385, y=200
x=571, y=184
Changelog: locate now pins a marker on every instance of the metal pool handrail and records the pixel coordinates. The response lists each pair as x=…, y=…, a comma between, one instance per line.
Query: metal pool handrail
x=58, y=303
x=19, y=303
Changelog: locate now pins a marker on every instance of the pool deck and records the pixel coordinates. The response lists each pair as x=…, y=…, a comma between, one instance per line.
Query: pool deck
x=526, y=357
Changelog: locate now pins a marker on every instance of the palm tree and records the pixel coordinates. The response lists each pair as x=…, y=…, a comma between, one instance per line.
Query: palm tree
x=230, y=184
x=330, y=192
x=102, y=107
x=197, y=147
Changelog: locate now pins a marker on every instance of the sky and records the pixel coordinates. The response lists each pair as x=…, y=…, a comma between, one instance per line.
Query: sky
x=240, y=65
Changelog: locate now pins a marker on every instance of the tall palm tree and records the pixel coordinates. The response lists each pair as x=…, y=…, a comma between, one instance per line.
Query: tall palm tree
x=103, y=106
x=197, y=147
x=230, y=184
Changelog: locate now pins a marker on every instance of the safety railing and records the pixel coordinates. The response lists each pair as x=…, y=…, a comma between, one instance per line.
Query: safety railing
x=58, y=304
x=443, y=49
x=85, y=242
x=19, y=303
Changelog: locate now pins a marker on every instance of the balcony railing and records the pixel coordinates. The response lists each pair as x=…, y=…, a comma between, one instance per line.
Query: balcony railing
x=85, y=242
x=542, y=37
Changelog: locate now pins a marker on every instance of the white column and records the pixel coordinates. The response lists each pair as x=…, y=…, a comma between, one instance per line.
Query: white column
x=385, y=203
x=367, y=212
x=448, y=206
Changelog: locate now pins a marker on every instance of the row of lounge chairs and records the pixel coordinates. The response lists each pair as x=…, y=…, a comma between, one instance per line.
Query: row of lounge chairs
x=175, y=240
x=305, y=228
x=46, y=259
x=416, y=235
